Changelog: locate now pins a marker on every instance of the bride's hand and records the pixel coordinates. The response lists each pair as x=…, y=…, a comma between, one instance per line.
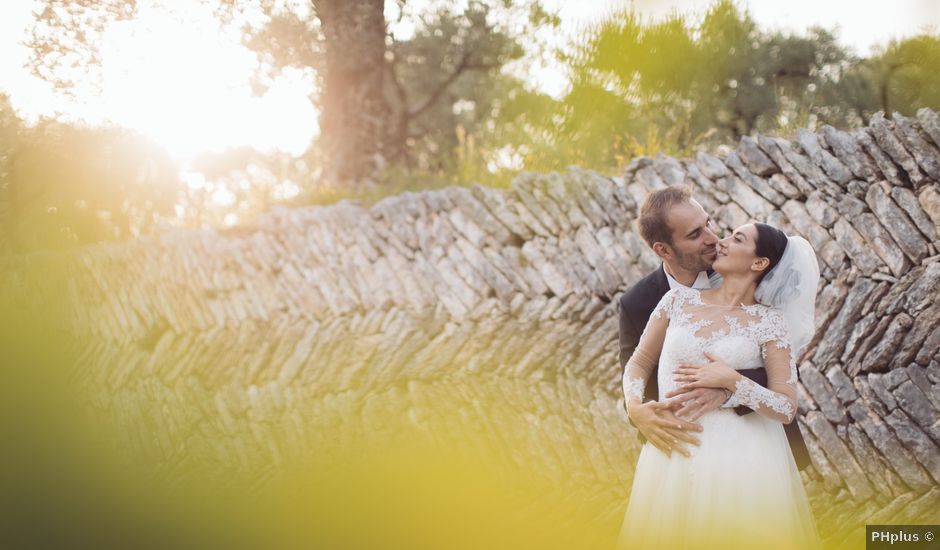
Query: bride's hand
x=715, y=374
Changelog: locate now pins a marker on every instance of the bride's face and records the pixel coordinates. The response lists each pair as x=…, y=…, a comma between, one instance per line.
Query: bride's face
x=736, y=252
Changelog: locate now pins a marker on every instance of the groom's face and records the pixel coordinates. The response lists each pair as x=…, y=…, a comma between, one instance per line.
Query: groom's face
x=693, y=236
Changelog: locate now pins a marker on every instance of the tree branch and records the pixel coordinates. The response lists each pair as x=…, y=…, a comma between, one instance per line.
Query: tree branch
x=465, y=64
x=399, y=88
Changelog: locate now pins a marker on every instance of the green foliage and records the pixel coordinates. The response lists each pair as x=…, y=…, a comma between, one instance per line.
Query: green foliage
x=63, y=185
x=444, y=77
x=900, y=77
x=644, y=87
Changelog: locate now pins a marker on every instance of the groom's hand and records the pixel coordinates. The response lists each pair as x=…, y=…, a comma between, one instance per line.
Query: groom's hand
x=697, y=401
x=661, y=427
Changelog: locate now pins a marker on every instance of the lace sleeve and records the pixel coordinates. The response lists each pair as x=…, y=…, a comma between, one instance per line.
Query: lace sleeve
x=646, y=355
x=778, y=399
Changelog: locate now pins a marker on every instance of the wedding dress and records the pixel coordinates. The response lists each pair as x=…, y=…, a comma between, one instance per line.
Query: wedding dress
x=740, y=487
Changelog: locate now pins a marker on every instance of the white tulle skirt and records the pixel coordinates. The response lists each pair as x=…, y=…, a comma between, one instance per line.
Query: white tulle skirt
x=740, y=488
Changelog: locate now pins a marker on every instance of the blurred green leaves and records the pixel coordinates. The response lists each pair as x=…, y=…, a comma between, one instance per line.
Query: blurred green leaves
x=903, y=76
x=64, y=185
x=646, y=86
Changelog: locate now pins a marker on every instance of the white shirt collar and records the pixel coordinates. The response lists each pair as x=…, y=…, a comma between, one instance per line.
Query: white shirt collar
x=701, y=282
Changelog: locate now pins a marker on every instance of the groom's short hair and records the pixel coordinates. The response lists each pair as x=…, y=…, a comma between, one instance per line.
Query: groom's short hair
x=654, y=228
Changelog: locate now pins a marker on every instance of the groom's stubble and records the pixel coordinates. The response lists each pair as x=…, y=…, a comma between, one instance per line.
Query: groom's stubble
x=694, y=261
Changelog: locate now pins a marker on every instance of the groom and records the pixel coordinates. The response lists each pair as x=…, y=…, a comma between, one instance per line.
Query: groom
x=682, y=234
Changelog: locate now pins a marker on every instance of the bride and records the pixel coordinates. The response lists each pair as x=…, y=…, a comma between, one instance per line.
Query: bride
x=740, y=487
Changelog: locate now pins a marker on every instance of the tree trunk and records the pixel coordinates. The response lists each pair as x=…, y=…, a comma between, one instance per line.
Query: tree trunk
x=354, y=114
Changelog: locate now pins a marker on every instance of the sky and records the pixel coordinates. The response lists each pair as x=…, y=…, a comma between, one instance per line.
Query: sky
x=191, y=93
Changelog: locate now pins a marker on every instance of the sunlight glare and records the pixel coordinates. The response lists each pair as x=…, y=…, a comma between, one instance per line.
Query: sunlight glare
x=180, y=79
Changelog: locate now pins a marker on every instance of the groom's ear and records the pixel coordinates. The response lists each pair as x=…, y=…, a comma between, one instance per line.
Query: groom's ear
x=662, y=250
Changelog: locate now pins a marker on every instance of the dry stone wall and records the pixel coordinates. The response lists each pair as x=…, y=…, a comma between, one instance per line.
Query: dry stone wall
x=265, y=342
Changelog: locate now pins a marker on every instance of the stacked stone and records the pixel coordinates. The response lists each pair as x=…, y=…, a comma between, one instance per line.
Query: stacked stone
x=470, y=284
x=465, y=250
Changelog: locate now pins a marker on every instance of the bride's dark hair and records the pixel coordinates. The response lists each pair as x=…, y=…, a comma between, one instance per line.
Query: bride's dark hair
x=770, y=244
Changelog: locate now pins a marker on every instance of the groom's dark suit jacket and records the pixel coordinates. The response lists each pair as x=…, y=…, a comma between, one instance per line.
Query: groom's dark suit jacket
x=636, y=306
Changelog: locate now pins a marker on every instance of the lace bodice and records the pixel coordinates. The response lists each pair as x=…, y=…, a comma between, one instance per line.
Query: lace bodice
x=683, y=327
